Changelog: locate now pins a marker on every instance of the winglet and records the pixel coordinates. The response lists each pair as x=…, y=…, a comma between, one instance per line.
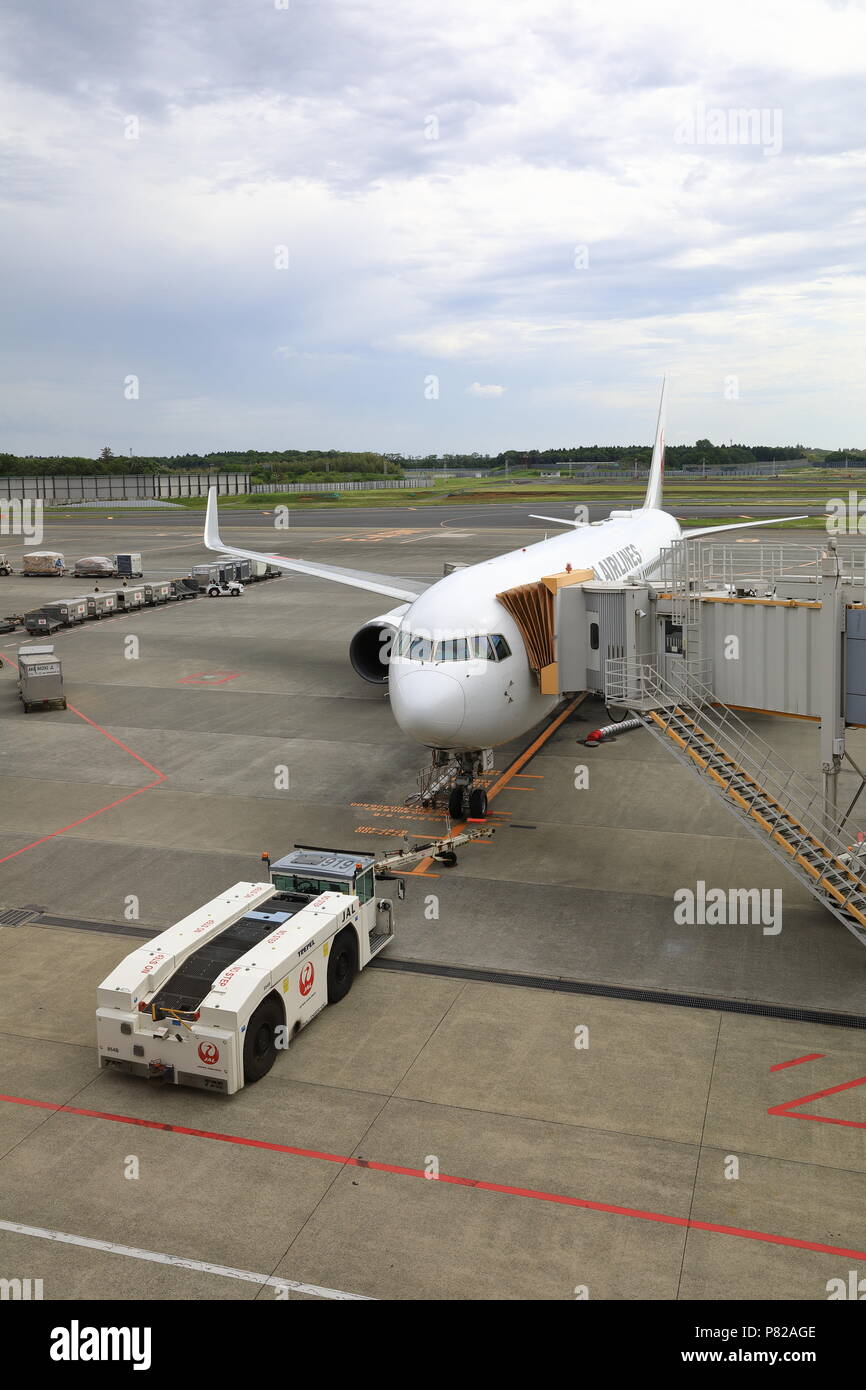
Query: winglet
x=211, y=523
x=657, y=467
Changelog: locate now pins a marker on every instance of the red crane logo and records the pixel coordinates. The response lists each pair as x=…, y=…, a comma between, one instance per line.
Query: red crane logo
x=305, y=979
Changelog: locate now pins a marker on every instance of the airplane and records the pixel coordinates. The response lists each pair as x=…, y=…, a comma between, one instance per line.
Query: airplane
x=453, y=656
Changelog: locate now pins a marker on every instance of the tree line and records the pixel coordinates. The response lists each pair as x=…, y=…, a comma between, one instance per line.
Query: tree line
x=628, y=455
x=286, y=465
x=309, y=465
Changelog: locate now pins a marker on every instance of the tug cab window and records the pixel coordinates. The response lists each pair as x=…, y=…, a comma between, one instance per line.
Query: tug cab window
x=294, y=883
x=364, y=886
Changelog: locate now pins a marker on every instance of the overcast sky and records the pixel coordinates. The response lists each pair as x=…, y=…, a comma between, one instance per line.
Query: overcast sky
x=533, y=208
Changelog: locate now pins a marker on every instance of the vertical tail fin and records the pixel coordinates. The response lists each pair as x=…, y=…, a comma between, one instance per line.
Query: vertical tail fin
x=211, y=522
x=657, y=467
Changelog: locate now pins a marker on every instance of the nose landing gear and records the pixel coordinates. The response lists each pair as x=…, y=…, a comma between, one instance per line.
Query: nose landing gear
x=456, y=780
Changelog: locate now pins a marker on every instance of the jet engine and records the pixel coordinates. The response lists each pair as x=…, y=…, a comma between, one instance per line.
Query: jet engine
x=370, y=648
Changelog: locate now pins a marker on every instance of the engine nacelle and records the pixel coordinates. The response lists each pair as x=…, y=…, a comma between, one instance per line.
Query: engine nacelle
x=370, y=648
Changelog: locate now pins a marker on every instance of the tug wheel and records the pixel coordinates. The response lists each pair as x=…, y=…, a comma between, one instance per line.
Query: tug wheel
x=260, y=1046
x=342, y=965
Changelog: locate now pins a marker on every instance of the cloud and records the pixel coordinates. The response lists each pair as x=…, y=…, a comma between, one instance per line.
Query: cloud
x=476, y=389
x=481, y=193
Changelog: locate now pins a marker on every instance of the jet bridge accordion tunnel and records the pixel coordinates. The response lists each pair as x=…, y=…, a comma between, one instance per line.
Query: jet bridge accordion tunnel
x=572, y=624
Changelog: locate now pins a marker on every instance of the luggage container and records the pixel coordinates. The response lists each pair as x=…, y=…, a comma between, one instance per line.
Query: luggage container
x=39, y=623
x=94, y=565
x=100, y=605
x=184, y=588
x=69, y=610
x=157, y=592
x=44, y=562
x=40, y=678
x=204, y=575
x=129, y=564
x=130, y=597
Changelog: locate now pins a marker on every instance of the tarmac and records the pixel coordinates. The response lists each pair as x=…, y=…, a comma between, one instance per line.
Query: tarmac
x=545, y=1089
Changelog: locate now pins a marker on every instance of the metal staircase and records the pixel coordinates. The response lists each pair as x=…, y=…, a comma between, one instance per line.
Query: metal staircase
x=774, y=801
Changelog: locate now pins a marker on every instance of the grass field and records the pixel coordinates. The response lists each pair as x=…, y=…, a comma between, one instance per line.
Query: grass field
x=814, y=487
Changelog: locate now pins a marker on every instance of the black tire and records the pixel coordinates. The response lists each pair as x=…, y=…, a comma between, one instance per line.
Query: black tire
x=477, y=803
x=236, y=593
x=260, y=1047
x=447, y=858
x=455, y=803
x=342, y=965
x=213, y=593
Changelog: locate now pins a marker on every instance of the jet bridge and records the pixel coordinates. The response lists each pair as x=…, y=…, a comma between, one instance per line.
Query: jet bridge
x=775, y=629
x=717, y=628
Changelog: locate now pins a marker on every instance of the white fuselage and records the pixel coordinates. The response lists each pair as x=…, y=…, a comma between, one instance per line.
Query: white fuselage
x=465, y=705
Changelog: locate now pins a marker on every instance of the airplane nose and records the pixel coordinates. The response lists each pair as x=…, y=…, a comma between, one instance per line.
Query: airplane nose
x=429, y=705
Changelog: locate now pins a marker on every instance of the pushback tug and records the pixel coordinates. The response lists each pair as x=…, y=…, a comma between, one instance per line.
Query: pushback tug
x=211, y=1001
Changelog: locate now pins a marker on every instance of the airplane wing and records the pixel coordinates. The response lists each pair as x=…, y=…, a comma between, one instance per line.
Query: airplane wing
x=739, y=526
x=405, y=589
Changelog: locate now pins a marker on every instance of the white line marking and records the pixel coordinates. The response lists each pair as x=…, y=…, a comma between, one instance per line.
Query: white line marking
x=180, y=1263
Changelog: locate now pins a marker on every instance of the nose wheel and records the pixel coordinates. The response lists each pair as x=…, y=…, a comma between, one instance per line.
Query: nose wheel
x=471, y=804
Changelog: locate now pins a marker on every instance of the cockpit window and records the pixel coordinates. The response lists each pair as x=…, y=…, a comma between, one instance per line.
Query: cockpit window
x=453, y=649
x=473, y=648
x=421, y=649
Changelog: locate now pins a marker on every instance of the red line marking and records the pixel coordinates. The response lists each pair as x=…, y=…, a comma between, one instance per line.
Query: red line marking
x=138, y=758
x=72, y=825
x=796, y=1061
x=160, y=777
x=787, y=1108
x=502, y=1189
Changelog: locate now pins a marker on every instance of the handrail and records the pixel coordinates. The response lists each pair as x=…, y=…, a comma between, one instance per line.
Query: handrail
x=641, y=686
